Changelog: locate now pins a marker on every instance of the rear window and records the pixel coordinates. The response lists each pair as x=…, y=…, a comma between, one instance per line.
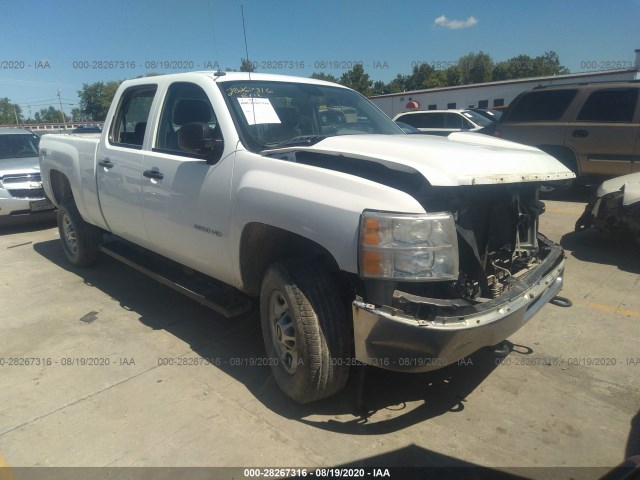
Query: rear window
x=540, y=106
x=611, y=105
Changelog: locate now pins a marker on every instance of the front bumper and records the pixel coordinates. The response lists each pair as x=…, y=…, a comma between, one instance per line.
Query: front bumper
x=22, y=206
x=442, y=332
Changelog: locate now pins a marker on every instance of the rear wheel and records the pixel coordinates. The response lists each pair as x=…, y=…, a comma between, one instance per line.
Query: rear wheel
x=306, y=333
x=80, y=240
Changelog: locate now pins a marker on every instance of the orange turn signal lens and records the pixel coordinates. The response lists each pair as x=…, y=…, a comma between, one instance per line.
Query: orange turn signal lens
x=372, y=263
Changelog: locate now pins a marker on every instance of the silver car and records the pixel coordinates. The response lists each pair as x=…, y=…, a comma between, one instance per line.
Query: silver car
x=21, y=191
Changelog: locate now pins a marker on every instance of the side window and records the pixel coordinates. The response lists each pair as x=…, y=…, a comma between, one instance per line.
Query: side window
x=453, y=120
x=130, y=122
x=613, y=105
x=541, y=106
x=188, y=124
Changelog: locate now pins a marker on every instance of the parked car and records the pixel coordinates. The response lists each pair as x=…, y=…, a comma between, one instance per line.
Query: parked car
x=490, y=113
x=406, y=128
x=591, y=128
x=443, y=122
x=21, y=191
x=87, y=129
x=615, y=208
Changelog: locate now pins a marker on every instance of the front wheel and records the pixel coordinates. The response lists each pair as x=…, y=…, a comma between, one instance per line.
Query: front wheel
x=306, y=333
x=80, y=240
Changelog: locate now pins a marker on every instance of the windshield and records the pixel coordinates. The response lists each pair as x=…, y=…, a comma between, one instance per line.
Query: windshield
x=271, y=113
x=19, y=145
x=477, y=118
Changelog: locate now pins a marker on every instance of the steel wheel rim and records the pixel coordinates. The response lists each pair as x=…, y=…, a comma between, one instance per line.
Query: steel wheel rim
x=69, y=234
x=283, y=332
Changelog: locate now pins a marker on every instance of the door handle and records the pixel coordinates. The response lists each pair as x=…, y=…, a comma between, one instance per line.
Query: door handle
x=106, y=163
x=580, y=133
x=153, y=174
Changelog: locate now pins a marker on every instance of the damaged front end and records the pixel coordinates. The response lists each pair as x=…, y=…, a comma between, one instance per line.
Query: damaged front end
x=506, y=272
x=615, y=209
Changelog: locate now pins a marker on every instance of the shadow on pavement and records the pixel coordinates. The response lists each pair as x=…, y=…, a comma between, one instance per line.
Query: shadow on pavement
x=27, y=223
x=391, y=401
x=591, y=246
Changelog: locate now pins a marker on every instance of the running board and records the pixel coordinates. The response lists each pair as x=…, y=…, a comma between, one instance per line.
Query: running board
x=211, y=293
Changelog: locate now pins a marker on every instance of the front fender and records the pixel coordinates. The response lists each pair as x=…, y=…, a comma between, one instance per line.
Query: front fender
x=321, y=205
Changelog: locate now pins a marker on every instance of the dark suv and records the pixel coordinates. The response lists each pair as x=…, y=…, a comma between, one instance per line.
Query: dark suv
x=594, y=129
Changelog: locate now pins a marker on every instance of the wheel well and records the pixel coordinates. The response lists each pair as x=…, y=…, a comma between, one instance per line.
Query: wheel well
x=564, y=155
x=261, y=245
x=60, y=186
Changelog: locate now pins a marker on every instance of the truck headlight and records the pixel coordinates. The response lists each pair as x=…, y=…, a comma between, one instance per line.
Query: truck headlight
x=408, y=247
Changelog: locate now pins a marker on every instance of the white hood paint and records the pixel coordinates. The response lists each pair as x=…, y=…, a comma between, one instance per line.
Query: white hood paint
x=459, y=159
x=629, y=184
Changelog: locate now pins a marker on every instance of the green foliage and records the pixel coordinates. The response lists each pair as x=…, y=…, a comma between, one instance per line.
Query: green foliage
x=95, y=99
x=324, y=76
x=50, y=115
x=357, y=79
x=475, y=68
x=7, y=112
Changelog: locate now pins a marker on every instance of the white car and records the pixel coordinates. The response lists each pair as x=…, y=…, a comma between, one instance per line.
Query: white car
x=21, y=191
x=444, y=122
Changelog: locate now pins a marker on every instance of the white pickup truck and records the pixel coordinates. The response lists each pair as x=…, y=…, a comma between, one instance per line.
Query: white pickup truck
x=363, y=244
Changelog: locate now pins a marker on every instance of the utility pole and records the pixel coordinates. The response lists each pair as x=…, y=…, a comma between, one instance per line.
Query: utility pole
x=62, y=111
x=16, y=115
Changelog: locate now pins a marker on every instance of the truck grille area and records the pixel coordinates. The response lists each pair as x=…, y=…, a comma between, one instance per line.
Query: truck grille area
x=27, y=193
x=497, y=236
x=24, y=186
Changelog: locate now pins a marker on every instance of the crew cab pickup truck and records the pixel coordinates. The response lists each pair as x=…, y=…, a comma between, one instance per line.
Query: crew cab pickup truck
x=362, y=244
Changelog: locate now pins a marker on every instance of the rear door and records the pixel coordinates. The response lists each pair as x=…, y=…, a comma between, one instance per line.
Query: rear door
x=605, y=132
x=119, y=169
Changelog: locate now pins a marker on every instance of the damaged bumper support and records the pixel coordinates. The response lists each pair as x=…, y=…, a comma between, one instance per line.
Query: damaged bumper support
x=419, y=334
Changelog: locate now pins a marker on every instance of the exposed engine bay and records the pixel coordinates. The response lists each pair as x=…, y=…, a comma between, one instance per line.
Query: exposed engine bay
x=497, y=228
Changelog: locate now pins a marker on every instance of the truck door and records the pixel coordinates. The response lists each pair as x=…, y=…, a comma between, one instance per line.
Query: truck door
x=186, y=190
x=605, y=132
x=119, y=168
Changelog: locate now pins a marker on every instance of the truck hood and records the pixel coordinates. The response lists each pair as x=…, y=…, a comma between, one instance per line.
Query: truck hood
x=20, y=165
x=459, y=159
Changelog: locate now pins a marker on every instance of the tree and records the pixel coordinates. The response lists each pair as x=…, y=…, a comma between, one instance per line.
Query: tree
x=95, y=99
x=398, y=84
x=357, y=80
x=50, y=115
x=247, y=66
x=475, y=68
x=8, y=112
x=324, y=76
x=523, y=66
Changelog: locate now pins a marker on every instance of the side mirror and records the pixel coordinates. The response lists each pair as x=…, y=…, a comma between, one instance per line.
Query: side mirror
x=199, y=138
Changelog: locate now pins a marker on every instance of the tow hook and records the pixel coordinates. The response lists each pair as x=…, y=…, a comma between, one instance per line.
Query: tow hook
x=502, y=349
x=559, y=301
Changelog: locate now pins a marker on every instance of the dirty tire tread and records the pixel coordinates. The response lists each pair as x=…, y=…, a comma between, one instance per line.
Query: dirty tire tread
x=88, y=237
x=322, y=324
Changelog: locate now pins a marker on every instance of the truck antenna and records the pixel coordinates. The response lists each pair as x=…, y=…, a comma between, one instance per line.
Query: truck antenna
x=246, y=48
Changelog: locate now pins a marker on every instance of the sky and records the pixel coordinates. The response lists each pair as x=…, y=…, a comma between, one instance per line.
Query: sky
x=50, y=46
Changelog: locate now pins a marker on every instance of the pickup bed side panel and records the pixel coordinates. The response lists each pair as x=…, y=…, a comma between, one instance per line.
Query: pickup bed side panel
x=319, y=204
x=74, y=157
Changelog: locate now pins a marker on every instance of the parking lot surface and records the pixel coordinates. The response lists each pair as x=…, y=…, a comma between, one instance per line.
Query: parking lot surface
x=105, y=367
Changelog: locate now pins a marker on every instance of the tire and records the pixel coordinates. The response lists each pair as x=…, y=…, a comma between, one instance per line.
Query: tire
x=305, y=329
x=80, y=240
